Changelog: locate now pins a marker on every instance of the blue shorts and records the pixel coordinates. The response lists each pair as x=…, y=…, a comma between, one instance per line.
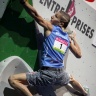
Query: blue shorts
x=48, y=77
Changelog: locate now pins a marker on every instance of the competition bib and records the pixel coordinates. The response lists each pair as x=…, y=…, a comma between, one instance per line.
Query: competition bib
x=60, y=45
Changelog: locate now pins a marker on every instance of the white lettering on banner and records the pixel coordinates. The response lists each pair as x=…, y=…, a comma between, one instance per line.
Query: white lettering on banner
x=71, y=8
x=71, y=11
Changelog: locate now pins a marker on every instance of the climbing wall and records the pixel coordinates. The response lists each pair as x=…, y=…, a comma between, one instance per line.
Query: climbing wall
x=3, y=5
x=83, y=20
x=17, y=32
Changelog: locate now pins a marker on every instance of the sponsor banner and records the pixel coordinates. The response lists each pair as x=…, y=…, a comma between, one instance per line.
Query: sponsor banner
x=80, y=16
x=71, y=8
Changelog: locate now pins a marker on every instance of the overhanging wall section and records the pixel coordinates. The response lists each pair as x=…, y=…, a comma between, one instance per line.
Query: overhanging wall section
x=17, y=34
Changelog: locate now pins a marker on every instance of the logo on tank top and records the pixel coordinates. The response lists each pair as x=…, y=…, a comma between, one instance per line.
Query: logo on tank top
x=60, y=45
x=58, y=34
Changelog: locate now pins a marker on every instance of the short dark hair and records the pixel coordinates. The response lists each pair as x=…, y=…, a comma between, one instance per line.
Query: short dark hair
x=65, y=18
